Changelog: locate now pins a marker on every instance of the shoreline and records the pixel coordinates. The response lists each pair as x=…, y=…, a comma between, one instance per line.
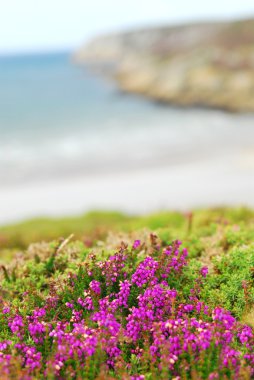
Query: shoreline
x=208, y=183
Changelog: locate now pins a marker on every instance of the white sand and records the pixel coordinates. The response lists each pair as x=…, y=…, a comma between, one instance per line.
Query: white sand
x=227, y=181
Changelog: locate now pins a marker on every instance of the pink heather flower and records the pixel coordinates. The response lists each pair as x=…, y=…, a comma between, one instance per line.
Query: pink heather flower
x=246, y=334
x=204, y=271
x=224, y=317
x=39, y=313
x=136, y=244
x=37, y=331
x=108, y=321
x=112, y=268
x=214, y=376
x=137, y=308
x=86, y=303
x=175, y=259
x=4, y=344
x=31, y=358
x=145, y=272
x=76, y=316
x=6, y=310
x=123, y=295
x=95, y=286
x=230, y=357
x=188, y=308
x=16, y=325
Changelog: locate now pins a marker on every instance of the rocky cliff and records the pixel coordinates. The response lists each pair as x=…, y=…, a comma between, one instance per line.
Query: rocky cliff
x=209, y=65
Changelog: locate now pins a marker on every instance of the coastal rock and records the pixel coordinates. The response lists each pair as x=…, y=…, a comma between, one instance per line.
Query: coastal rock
x=210, y=65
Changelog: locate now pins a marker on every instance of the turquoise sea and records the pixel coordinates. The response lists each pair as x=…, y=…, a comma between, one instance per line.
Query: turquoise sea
x=60, y=120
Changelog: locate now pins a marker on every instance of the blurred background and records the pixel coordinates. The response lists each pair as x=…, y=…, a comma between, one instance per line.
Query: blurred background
x=132, y=105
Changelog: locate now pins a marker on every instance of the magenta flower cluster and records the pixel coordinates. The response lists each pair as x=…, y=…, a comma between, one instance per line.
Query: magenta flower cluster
x=131, y=322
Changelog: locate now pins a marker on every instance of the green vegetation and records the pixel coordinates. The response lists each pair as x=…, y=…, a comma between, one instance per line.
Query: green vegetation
x=96, y=225
x=66, y=290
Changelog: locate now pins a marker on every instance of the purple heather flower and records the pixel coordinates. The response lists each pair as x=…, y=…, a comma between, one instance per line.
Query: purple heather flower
x=136, y=244
x=145, y=272
x=37, y=331
x=16, y=325
x=95, y=286
x=140, y=315
x=5, y=344
x=246, y=334
x=204, y=271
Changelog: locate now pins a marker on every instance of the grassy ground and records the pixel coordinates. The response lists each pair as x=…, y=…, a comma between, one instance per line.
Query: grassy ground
x=212, y=237
x=64, y=255
x=96, y=225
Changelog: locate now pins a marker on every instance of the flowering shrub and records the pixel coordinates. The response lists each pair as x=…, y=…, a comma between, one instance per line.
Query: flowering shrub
x=141, y=313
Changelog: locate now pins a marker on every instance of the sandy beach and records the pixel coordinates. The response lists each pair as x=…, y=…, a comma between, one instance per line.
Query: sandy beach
x=74, y=144
x=228, y=180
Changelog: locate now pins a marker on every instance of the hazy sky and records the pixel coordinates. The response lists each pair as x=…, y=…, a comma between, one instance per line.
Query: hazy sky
x=49, y=24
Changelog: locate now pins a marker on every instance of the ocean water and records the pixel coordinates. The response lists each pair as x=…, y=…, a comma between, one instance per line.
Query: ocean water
x=58, y=120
